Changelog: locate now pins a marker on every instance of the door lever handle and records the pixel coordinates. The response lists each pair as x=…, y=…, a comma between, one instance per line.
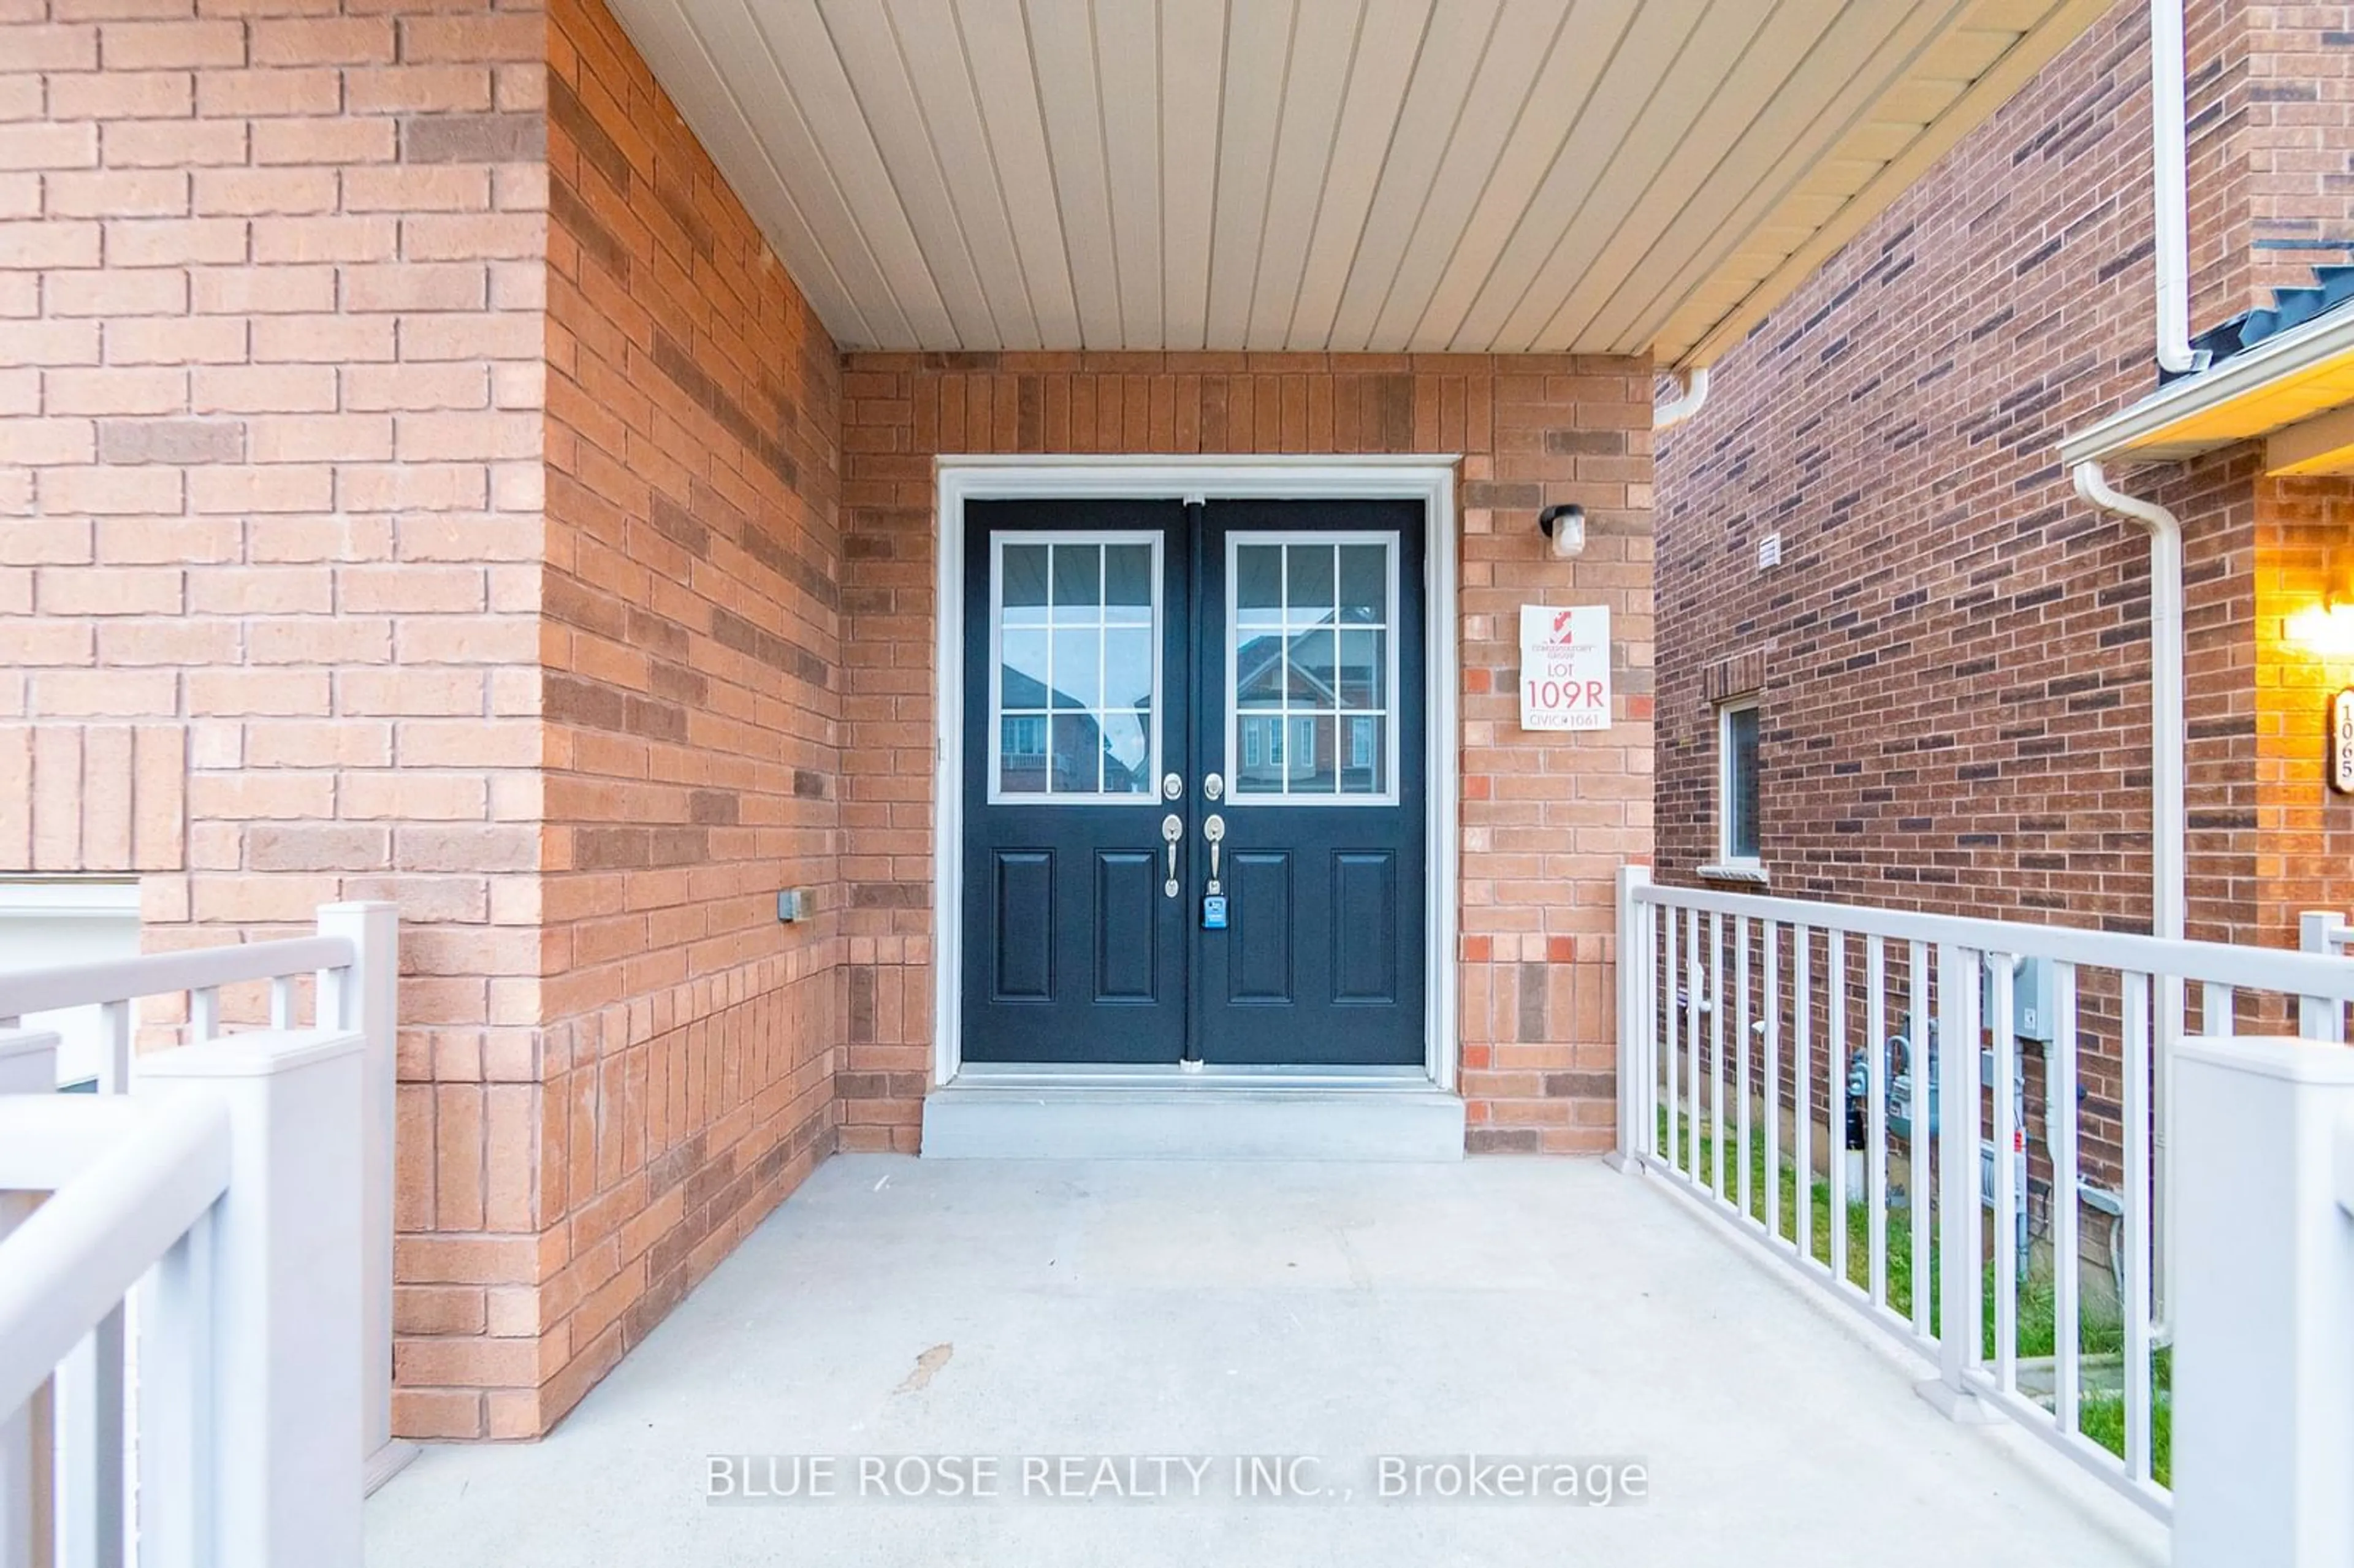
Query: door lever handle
x=1172, y=828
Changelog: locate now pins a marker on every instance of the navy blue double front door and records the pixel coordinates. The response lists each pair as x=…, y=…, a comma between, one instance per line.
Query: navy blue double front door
x=1194, y=813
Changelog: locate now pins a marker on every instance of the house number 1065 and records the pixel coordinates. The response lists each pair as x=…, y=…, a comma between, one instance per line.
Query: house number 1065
x=2341, y=742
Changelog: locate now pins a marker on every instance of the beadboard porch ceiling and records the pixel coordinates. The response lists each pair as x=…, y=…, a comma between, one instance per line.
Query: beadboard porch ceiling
x=1475, y=176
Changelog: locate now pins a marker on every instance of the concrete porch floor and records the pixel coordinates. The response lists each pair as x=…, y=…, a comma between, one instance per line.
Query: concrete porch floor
x=1549, y=1307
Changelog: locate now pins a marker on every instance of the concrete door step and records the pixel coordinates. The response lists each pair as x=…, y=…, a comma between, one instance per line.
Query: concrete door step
x=1206, y=1120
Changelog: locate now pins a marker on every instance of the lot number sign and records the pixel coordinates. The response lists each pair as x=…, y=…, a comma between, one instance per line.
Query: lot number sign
x=1564, y=667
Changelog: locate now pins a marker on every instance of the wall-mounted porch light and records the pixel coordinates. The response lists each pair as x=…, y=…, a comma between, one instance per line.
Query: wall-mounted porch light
x=2326, y=630
x=1565, y=526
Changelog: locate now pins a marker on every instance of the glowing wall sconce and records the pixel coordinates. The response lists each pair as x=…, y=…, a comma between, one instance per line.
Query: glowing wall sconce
x=2326, y=630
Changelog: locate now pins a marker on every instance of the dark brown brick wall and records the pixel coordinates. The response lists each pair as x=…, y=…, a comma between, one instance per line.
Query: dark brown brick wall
x=1952, y=656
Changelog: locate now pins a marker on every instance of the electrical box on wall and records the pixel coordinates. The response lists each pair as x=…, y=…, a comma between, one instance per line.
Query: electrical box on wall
x=2032, y=1010
x=793, y=905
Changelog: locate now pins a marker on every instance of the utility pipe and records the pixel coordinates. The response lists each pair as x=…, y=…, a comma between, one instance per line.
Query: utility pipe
x=2170, y=151
x=1685, y=404
x=2167, y=849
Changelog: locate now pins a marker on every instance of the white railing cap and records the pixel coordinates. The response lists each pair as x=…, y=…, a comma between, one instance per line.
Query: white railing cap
x=157, y=974
x=2282, y=970
x=255, y=1055
x=2282, y=1056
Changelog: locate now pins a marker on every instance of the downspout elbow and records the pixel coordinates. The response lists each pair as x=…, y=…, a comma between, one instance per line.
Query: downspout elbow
x=1685, y=404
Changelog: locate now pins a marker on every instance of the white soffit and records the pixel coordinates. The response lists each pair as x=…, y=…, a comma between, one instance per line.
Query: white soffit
x=1472, y=175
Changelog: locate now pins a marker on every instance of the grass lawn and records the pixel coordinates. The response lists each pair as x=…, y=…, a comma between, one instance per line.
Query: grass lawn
x=2101, y=1411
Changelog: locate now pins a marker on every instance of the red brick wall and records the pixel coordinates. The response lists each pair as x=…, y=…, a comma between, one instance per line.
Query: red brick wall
x=1547, y=820
x=690, y=651
x=1954, y=650
x=329, y=462
x=270, y=477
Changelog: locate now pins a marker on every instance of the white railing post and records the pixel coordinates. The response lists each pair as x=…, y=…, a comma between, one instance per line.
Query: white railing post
x=2319, y=1017
x=285, y=1388
x=365, y=998
x=1635, y=960
x=1957, y=1194
x=2263, y=1365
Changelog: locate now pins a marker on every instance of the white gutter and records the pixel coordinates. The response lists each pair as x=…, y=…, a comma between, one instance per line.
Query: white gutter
x=2276, y=359
x=1685, y=404
x=2169, y=847
x=2169, y=154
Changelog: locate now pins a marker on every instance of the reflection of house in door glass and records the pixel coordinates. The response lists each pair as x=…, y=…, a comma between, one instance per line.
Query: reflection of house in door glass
x=1075, y=680
x=1311, y=668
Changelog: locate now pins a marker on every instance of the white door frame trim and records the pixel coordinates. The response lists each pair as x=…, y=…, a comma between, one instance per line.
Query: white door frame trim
x=1426, y=477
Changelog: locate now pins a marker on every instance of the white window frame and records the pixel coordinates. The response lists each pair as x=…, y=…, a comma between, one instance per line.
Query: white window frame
x=1392, y=548
x=1725, y=856
x=1156, y=629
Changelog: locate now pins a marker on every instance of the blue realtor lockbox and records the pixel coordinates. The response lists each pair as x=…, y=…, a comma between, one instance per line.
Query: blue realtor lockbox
x=1214, y=912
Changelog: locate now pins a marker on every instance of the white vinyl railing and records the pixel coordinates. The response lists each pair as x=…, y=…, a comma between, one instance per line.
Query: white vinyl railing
x=351, y=964
x=2323, y=931
x=211, y=1207
x=1774, y=1059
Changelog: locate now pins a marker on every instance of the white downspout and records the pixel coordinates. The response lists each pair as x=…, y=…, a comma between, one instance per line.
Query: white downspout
x=2166, y=724
x=2168, y=848
x=2170, y=151
x=1685, y=404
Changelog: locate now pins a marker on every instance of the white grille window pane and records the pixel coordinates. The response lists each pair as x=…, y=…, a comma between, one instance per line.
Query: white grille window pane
x=1127, y=667
x=1261, y=772
x=1308, y=587
x=1310, y=761
x=1128, y=584
x=1365, y=769
x=1024, y=585
x=1312, y=683
x=1127, y=752
x=1078, y=667
x=1022, y=762
x=1364, y=669
x=1258, y=585
x=1022, y=680
x=1078, y=585
x=1364, y=585
x=1077, y=765
x=1258, y=666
